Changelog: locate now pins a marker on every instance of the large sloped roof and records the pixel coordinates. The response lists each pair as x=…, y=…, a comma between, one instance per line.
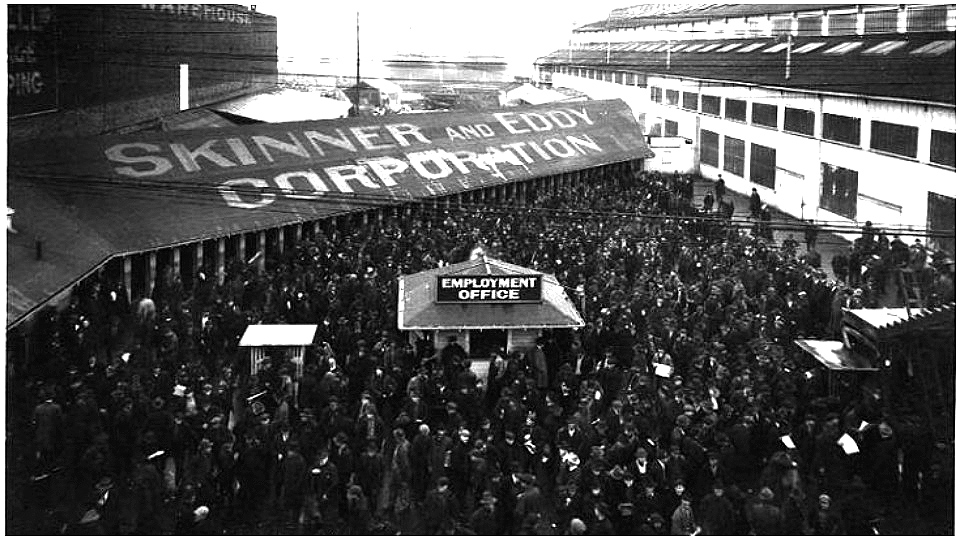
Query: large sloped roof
x=889, y=323
x=417, y=309
x=918, y=66
x=674, y=12
x=88, y=208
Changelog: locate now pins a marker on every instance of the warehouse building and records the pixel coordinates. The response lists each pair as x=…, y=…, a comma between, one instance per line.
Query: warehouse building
x=828, y=110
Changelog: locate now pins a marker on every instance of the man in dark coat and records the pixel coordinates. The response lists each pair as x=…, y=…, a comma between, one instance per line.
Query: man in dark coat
x=716, y=512
x=439, y=508
x=483, y=521
x=763, y=515
x=293, y=487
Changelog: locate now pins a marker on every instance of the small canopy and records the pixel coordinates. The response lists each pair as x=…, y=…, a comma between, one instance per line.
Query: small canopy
x=417, y=309
x=834, y=356
x=278, y=335
x=286, y=105
x=889, y=323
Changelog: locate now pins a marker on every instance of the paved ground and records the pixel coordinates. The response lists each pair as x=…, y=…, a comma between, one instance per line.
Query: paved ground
x=828, y=244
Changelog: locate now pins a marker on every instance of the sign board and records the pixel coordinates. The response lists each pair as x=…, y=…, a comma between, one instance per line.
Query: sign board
x=503, y=289
x=31, y=59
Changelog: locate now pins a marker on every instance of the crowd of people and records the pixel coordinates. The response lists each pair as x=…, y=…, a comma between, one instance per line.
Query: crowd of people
x=682, y=406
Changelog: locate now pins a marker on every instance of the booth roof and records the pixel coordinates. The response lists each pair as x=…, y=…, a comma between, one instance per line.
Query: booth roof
x=887, y=323
x=834, y=356
x=418, y=310
x=278, y=335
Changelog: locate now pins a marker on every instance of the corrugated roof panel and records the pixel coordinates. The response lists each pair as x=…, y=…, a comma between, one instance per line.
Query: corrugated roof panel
x=776, y=48
x=885, y=48
x=752, y=47
x=936, y=48
x=729, y=47
x=844, y=47
x=809, y=47
x=694, y=47
x=710, y=47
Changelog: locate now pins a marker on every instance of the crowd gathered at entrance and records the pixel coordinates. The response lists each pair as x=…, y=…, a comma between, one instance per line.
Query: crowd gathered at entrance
x=139, y=416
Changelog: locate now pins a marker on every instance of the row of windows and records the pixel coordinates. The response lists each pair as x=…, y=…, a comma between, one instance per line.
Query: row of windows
x=839, y=187
x=876, y=20
x=932, y=48
x=886, y=137
x=763, y=159
x=618, y=77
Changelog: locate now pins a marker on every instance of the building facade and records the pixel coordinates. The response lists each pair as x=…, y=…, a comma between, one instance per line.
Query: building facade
x=829, y=111
x=77, y=70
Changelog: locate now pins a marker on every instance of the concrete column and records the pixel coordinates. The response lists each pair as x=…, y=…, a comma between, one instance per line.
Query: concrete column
x=151, y=273
x=128, y=276
x=262, y=245
x=221, y=260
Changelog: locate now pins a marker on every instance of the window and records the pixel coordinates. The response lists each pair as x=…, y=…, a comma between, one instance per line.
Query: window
x=709, y=148
x=798, y=121
x=880, y=22
x=711, y=105
x=893, y=138
x=764, y=114
x=628, y=79
x=844, y=24
x=656, y=94
x=673, y=97
x=736, y=110
x=670, y=128
x=843, y=129
x=691, y=101
x=733, y=155
x=656, y=128
x=809, y=26
x=927, y=18
x=943, y=148
x=942, y=216
x=839, y=190
x=763, y=165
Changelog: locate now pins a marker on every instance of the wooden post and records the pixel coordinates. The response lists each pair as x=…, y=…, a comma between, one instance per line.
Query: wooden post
x=262, y=242
x=221, y=260
x=242, y=246
x=128, y=276
x=280, y=240
x=198, y=263
x=176, y=260
x=151, y=273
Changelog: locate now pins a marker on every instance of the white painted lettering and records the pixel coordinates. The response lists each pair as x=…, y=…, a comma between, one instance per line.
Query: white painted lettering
x=188, y=158
x=581, y=114
x=559, y=147
x=366, y=134
x=454, y=134
x=159, y=164
x=562, y=119
x=386, y=167
x=400, y=132
x=485, y=130
x=518, y=148
x=419, y=160
x=240, y=150
x=543, y=125
x=584, y=142
x=342, y=174
x=233, y=199
x=284, y=181
x=509, y=123
x=315, y=138
x=296, y=147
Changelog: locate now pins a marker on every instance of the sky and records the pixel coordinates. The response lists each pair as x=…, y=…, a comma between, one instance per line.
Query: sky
x=519, y=30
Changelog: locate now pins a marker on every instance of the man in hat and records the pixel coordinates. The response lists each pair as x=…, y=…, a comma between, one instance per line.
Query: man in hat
x=763, y=515
x=293, y=482
x=825, y=521
x=324, y=482
x=538, y=361
x=576, y=528
x=531, y=500
x=358, y=512
x=716, y=512
x=682, y=522
x=439, y=508
x=483, y=521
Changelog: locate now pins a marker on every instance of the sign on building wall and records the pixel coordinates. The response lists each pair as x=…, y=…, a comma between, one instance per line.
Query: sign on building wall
x=503, y=289
x=31, y=59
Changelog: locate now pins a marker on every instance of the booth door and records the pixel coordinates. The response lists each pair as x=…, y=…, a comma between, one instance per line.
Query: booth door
x=484, y=342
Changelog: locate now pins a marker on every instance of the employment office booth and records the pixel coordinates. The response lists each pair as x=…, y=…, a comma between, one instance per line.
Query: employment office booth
x=487, y=304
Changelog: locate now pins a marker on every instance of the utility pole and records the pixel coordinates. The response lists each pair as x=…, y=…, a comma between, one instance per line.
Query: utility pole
x=789, y=52
x=358, y=63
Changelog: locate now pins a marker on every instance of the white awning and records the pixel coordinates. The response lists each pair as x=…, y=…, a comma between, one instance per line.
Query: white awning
x=278, y=335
